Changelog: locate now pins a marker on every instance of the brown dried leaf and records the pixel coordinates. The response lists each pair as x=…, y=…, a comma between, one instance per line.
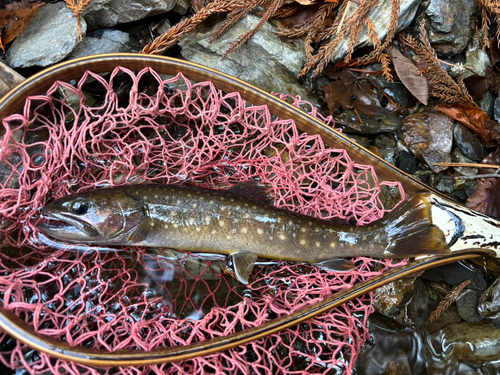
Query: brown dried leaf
x=486, y=198
x=351, y=91
x=472, y=117
x=477, y=86
x=409, y=75
x=15, y=17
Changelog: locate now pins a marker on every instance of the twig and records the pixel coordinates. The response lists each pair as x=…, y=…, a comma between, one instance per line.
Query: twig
x=474, y=176
x=470, y=165
x=447, y=301
x=78, y=7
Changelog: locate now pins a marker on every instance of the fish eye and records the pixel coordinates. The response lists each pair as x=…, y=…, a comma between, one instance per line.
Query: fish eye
x=79, y=207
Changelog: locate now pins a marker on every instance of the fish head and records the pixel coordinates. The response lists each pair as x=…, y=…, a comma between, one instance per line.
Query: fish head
x=96, y=217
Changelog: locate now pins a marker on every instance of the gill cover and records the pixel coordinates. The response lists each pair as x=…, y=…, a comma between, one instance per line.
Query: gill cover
x=100, y=217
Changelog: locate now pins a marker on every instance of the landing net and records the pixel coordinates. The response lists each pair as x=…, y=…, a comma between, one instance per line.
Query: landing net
x=129, y=128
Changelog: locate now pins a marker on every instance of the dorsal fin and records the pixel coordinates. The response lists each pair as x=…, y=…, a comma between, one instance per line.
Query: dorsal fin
x=253, y=191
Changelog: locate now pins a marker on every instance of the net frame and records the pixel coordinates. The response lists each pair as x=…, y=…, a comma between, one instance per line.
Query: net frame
x=197, y=101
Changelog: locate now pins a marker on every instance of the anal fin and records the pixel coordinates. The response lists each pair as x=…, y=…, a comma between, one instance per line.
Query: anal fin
x=337, y=265
x=243, y=263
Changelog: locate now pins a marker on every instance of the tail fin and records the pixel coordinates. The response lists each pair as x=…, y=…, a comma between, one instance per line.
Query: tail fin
x=411, y=230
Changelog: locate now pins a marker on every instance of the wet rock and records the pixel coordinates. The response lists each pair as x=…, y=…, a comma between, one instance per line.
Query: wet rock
x=107, y=13
x=496, y=109
x=446, y=184
x=104, y=41
x=470, y=343
x=488, y=104
x=428, y=134
x=455, y=274
x=380, y=14
x=396, y=91
x=390, y=299
x=468, y=143
x=467, y=305
x=49, y=38
x=417, y=308
x=363, y=141
x=476, y=60
x=392, y=349
x=382, y=121
x=406, y=162
x=386, y=147
x=458, y=157
x=489, y=303
x=264, y=61
x=9, y=178
x=451, y=25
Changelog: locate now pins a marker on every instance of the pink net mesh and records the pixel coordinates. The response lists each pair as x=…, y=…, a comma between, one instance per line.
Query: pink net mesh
x=171, y=130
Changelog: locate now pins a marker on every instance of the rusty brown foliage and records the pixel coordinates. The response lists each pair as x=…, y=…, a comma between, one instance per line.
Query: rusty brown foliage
x=78, y=7
x=447, y=301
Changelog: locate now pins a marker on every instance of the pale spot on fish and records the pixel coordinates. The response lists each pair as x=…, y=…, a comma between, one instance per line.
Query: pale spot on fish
x=232, y=200
x=238, y=207
x=317, y=230
x=211, y=202
x=254, y=207
x=282, y=237
x=246, y=216
x=173, y=213
x=223, y=208
x=214, y=231
x=189, y=195
x=246, y=204
x=156, y=196
x=165, y=226
x=198, y=229
x=260, y=231
x=228, y=237
x=221, y=198
x=191, y=221
x=179, y=201
x=271, y=238
x=364, y=238
x=290, y=222
x=244, y=230
x=152, y=224
x=144, y=197
x=221, y=223
x=195, y=205
x=303, y=230
x=303, y=242
x=318, y=244
x=332, y=245
x=176, y=225
x=310, y=223
x=207, y=220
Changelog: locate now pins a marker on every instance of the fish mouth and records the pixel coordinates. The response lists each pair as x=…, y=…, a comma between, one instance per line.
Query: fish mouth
x=62, y=226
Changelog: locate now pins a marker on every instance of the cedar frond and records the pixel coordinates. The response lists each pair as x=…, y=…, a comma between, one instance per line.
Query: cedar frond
x=285, y=11
x=167, y=39
x=235, y=15
x=447, y=301
x=78, y=7
x=273, y=7
x=491, y=7
x=444, y=87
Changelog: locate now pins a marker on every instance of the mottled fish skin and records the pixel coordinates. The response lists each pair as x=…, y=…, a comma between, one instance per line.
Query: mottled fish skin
x=218, y=221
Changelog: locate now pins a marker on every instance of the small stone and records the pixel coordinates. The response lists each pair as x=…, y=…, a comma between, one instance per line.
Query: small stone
x=496, y=109
x=467, y=304
x=489, y=304
x=471, y=343
x=476, y=60
x=48, y=39
x=390, y=299
x=406, y=162
x=451, y=25
x=428, y=134
x=458, y=157
x=104, y=41
x=468, y=143
x=487, y=104
x=446, y=184
x=102, y=14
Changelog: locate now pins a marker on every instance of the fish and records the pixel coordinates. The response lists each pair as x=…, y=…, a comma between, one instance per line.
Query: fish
x=239, y=222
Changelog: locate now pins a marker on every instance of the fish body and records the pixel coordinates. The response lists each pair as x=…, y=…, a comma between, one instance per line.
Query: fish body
x=232, y=222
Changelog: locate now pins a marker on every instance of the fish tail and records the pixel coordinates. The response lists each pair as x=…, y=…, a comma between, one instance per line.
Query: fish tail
x=411, y=230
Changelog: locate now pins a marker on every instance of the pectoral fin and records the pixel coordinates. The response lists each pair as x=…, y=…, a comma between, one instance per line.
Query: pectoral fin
x=338, y=265
x=243, y=263
x=141, y=232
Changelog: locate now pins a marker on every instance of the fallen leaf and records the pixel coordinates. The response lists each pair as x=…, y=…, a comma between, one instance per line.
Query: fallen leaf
x=486, y=198
x=474, y=118
x=477, y=86
x=351, y=91
x=409, y=75
x=15, y=17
